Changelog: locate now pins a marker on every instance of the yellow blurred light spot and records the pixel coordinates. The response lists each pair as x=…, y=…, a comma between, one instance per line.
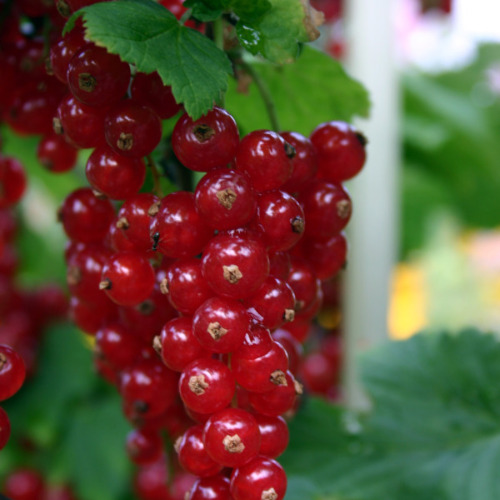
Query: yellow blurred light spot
x=329, y=319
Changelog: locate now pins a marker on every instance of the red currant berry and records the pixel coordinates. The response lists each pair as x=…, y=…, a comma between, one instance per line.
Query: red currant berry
x=177, y=230
x=265, y=157
x=274, y=435
x=151, y=481
x=12, y=372
x=85, y=217
x=225, y=199
x=318, y=373
x=24, y=484
x=341, y=151
x=63, y=50
x=82, y=125
x=206, y=143
x=304, y=283
x=144, y=446
x=292, y=347
x=4, y=428
x=232, y=437
x=304, y=163
x=273, y=303
x=327, y=258
x=279, y=265
x=327, y=209
x=192, y=453
x=127, y=278
x=12, y=181
x=211, y=488
x=148, y=388
x=55, y=154
x=281, y=219
x=178, y=346
x=114, y=175
x=96, y=77
x=90, y=316
x=220, y=324
x=235, y=267
x=132, y=129
x=206, y=386
x=257, y=342
x=150, y=91
x=260, y=479
x=185, y=286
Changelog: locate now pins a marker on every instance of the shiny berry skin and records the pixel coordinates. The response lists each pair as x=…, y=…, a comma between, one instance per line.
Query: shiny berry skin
x=232, y=437
x=12, y=372
x=178, y=345
x=220, y=324
x=134, y=219
x=127, y=278
x=82, y=125
x=55, y=154
x=131, y=129
x=263, y=373
x=281, y=219
x=274, y=435
x=12, y=181
x=206, y=143
x=177, y=230
x=257, y=342
x=327, y=258
x=292, y=347
x=114, y=175
x=273, y=304
x=304, y=283
x=24, y=484
x=260, y=479
x=277, y=401
x=150, y=91
x=192, y=453
x=117, y=346
x=83, y=273
x=144, y=446
x=4, y=428
x=185, y=286
x=327, y=209
x=63, y=50
x=148, y=388
x=304, y=163
x=206, y=386
x=266, y=158
x=211, y=488
x=85, y=217
x=96, y=77
x=341, y=151
x=225, y=199
x=319, y=373
x=235, y=267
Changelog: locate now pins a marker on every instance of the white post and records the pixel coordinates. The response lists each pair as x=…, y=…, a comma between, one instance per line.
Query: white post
x=373, y=228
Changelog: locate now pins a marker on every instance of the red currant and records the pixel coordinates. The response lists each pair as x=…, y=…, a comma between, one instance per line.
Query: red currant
x=12, y=372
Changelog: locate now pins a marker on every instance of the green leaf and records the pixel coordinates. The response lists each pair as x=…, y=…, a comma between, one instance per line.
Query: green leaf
x=314, y=89
x=146, y=34
x=203, y=11
x=246, y=10
x=276, y=35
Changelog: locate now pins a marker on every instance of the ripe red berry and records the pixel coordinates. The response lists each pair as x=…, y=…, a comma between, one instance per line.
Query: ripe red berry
x=63, y=50
x=225, y=199
x=127, y=278
x=327, y=258
x=55, y=154
x=206, y=143
x=177, y=230
x=132, y=129
x=260, y=479
x=12, y=181
x=149, y=90
x=24, y=484
x=341, y=151
x=12, y=372
x=274, y=435
x=115, y=175
x=266, y=158
x=90, y=316
x=85, y=217
x=193, y=455
x=235, y=267
x=4, y=428
x=211, y=488
x=206, y=386
x=144, y=446
x=96, y=77
x=232, y=437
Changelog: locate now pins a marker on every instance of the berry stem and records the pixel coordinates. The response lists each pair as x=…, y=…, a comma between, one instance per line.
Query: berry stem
x=264, y=93
x=156, y=176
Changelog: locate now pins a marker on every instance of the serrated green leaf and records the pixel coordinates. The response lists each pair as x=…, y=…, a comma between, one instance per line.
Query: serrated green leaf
x=146, y=34
x=246, y=10
x=202, y=10
x=313, y=90
x=277, y=33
